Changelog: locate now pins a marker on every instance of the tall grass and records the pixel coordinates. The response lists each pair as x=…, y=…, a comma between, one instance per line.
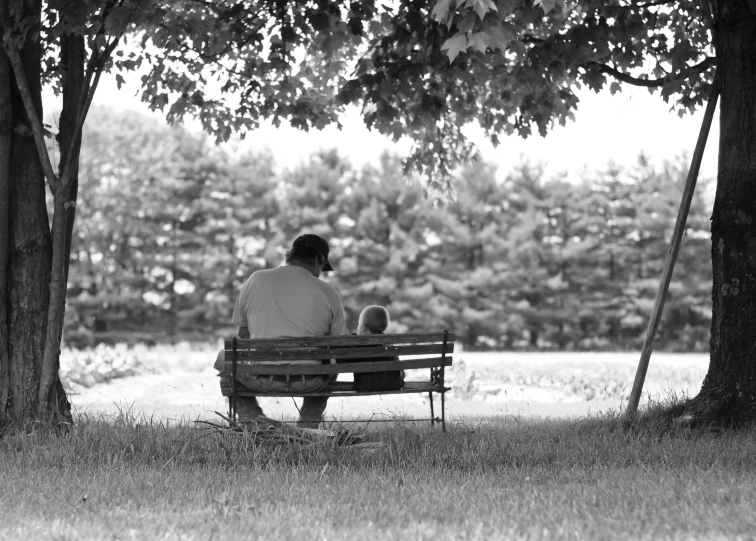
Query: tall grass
x=131, y=477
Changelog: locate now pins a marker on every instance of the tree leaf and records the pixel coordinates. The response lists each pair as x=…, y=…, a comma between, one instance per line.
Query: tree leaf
x=481, y=7
x=500, y=36
x=478, y=41
x=546, y=5
x=467, y=24
x=440, y=10
x=454, y=45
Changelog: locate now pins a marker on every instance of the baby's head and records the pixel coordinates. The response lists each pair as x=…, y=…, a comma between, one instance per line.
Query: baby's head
x=373, y=320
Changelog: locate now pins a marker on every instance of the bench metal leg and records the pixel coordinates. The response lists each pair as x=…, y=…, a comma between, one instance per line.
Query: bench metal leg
x=433, y=417
x=232, y=411
x=443, y=413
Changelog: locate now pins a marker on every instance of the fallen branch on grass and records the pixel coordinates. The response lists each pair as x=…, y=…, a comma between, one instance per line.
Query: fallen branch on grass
x=264, y=429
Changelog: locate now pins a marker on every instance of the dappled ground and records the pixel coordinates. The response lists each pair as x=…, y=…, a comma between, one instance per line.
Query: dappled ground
x=180, y=383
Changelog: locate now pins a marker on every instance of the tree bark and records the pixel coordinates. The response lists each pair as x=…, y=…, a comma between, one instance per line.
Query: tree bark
x=728, y=394
x=53, y=403
x=73, y=57
x=6, y=132
x=29, y=248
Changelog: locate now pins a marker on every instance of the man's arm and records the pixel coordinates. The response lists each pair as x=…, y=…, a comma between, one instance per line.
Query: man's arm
x=239, y=317
x=338, y=323
x=243, y=333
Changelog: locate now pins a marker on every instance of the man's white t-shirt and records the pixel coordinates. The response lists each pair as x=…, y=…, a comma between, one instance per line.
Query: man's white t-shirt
x=289, y=302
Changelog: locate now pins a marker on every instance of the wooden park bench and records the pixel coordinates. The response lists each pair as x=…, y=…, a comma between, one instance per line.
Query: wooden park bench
x=426, y=351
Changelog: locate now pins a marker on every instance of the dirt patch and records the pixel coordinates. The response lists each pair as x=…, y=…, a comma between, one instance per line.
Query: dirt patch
x=555, y=385
x=196, y=395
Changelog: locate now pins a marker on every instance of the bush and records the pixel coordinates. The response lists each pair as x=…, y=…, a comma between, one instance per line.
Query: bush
x=86, y=368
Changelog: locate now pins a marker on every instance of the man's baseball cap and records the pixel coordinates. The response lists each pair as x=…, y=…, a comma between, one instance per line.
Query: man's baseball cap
x=314, y=242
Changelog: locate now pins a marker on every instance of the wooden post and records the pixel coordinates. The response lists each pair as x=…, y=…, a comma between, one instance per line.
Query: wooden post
x=443, y=383
x=674, y=248
x=232, y=402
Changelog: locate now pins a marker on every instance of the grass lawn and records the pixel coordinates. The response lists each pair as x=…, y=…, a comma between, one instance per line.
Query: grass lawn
x=132, y=478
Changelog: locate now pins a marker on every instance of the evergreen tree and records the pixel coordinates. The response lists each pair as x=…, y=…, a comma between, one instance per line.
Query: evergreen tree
x=469, y=258
x=170, y=227
x=240, y=231
x=383, y=239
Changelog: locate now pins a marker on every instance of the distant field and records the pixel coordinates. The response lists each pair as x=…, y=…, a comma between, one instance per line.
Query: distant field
x=591, y=376
x=181, y=383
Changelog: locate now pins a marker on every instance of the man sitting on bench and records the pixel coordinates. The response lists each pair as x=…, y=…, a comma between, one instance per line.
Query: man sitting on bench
x=290, y=302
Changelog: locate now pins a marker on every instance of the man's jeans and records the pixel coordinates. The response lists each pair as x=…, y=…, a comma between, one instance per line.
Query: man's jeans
x=311, y=412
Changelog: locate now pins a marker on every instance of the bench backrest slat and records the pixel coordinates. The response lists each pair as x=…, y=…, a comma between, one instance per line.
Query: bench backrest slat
x=360, y=352
x=254, y=368
x=333, y=341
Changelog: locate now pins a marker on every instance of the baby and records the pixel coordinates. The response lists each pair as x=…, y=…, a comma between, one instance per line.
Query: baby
x=374, y=319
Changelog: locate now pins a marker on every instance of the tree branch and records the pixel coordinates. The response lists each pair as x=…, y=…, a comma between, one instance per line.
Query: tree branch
x=95, y=65
x=61, y=251
x=88, y=92
x=6, y=133
x=710, y=7
x=31, y=112
x=651, y=4
x=215, y=57
x=752, y=6
x=652, y=83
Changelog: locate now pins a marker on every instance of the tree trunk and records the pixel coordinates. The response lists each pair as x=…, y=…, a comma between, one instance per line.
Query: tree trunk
x=53, y=403
x=73, y=57
x=6, y=132
x=29, y=248
x=29, y=255
x=729, y=390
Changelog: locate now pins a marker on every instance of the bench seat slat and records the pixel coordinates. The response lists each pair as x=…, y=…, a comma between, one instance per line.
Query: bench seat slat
x=345, y=388
x=255, y=368
x=320, y=341
x=339, y=353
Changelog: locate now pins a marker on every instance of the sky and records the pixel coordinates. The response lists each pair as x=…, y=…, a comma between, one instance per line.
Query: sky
x=607, y=129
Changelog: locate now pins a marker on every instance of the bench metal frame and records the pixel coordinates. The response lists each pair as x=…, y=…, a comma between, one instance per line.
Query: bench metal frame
x=246, y=353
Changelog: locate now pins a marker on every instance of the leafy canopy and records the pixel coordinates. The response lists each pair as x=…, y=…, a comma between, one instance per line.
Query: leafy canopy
x=423, y=69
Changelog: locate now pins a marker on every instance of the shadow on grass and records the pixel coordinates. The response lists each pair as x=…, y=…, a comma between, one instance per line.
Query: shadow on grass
x=605, y=440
